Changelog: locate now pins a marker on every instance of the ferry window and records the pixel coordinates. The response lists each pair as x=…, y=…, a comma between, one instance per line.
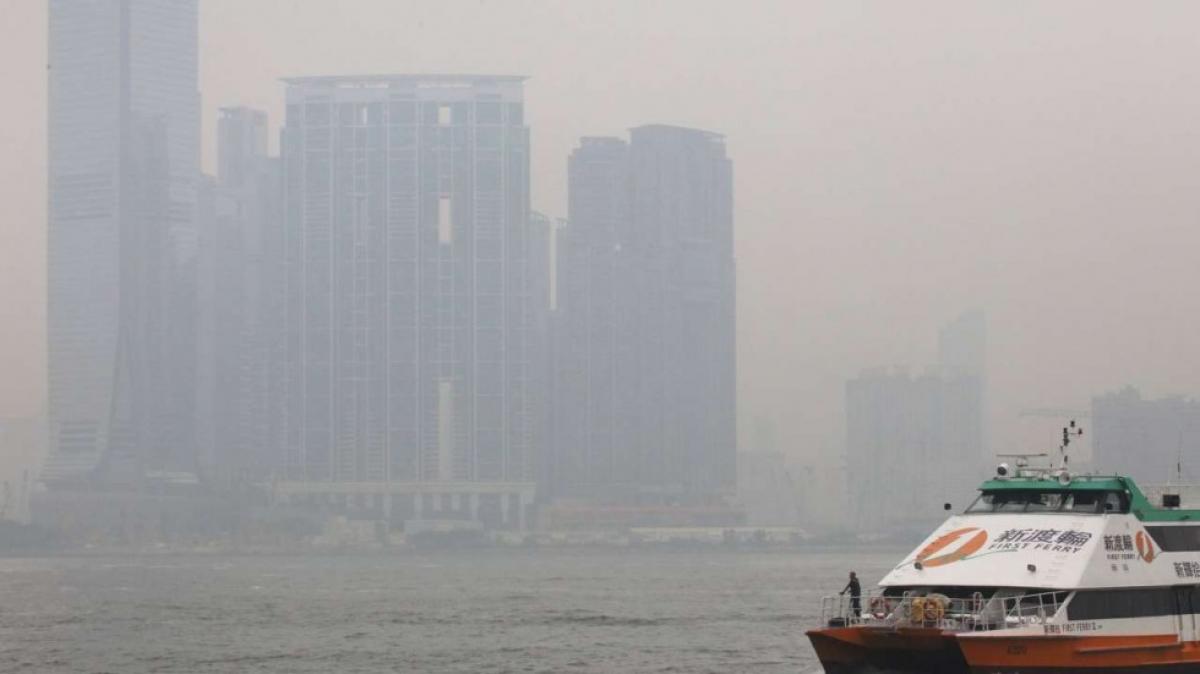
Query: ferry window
x=1085, y=502
x=1009, y=502
x=1097, y=502
x=1179, y=538
x=1189, y=599
x=1116, y=502
x=1111, y=604
x=984, y=504
x=1045, y=602
x=1048, y=501
x=1000, y=502
x=1012, y=503
x=1044, y=502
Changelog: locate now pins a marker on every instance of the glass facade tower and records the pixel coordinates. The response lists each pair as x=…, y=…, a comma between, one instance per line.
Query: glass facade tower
x=408, y=309
x=123, y=168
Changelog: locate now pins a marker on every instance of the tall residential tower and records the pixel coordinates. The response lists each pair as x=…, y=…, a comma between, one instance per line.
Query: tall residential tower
x=240, y=305
x=409, y=315
x=645, y=399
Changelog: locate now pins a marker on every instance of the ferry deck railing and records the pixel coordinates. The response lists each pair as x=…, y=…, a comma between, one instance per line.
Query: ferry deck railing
x=956, y=614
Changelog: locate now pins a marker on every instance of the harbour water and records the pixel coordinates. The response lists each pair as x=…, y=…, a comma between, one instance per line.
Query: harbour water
x=455, y=611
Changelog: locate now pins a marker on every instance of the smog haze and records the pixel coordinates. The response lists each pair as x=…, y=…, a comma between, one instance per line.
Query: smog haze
x=895, y=165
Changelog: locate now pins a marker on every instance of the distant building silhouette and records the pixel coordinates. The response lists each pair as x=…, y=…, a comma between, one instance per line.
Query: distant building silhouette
x=124, y=124
x=1145, y=438
x=645, y=399
x=962, y=346
x=768, y=490
x=410, y=319
x=540, y=266
x=914, y=443
x=240, y=305
x=596, y=442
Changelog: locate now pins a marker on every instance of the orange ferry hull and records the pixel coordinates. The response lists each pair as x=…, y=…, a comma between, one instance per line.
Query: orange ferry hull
x=872, y=650
x=1093, y=654
x=868, y=650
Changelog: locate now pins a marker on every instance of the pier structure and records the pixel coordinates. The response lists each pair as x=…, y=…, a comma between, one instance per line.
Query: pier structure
x=494, y=505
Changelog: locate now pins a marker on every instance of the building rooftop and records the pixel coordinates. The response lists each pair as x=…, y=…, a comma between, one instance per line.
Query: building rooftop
x=432, y=79
x=682, y=130
x=602, y=140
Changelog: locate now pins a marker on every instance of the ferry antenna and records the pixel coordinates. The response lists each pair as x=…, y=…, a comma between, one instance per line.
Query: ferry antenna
x=1179, y=460
x=1068, y=432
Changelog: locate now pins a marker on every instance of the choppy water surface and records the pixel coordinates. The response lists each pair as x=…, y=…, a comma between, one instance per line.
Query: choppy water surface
x=474, y=611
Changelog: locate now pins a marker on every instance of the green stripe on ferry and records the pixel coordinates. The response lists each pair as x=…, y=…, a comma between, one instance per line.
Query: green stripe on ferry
x=1139, y=505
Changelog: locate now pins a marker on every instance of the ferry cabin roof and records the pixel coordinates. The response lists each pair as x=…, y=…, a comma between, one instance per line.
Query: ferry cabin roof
x=1130, y=498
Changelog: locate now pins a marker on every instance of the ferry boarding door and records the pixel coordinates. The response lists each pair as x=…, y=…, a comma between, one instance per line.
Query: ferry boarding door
x=1187, y=603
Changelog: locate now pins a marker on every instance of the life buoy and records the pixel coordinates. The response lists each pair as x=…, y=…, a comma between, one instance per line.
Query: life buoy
x=880, y=607
x=932, y=610
x=916, y=610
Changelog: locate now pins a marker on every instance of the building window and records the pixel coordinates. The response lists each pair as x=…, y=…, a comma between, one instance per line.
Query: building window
x=445, y=221
x=445, y=418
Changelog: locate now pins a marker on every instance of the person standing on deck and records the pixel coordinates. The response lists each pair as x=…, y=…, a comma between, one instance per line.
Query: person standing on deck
x=855, y=590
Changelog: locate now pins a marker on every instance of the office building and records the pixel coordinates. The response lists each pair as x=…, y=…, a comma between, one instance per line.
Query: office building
x=123, y=169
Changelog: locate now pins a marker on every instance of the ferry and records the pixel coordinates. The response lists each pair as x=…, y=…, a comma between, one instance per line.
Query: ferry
x=1044, y=572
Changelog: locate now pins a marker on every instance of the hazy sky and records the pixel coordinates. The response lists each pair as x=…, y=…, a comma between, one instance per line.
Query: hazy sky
x=895, y=163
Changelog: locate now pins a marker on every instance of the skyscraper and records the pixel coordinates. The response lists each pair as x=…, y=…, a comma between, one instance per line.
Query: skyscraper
x=682, y=207
x=540, y=265
x=646, y=401
x=240, y=309
x=596, y=446
x=123, y=168
x=408, y=285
